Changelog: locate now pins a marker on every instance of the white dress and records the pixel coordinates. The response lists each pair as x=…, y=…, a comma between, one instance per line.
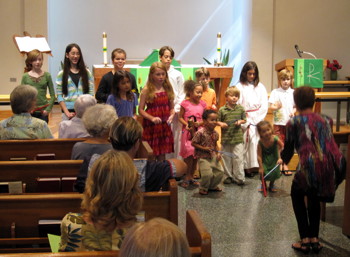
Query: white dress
x=177, y=82
x=282, y=115
x=255, y=103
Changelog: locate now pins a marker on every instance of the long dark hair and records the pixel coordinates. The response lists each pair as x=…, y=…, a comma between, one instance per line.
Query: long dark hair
x=81, y=67
x=118, y=77
x=247, y=67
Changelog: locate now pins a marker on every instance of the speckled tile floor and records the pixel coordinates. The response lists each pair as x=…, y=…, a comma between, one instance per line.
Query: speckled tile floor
x=244, y=223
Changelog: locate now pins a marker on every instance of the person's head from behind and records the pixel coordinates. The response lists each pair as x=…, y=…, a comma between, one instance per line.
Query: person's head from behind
x=210, y=118
x=203, y=76
x=118, y=57
x=154, y=238
x=34, y=60
x=23, y=99
x=82, y=103
x=250, y=73
x=193, y=90
x=285, y=79
x=304, y=98
x=98, y=119
x=125, y=135
x=232, y=95
x=121, y=84
x=166, y=56
x=112, y=197
x=265, y=129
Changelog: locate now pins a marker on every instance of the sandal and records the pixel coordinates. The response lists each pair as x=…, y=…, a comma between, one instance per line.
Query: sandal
x=203, y=192
x=217, y=189
x=273, y=189
x=303, y=247
x=185, y=184
x=316, y=247
x=287, y=173
x=194, y=182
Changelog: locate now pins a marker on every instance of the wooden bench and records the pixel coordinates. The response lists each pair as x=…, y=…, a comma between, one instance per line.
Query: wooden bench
x=28, y=171
x=197, y=235
x=27, y=209
x=28, y=149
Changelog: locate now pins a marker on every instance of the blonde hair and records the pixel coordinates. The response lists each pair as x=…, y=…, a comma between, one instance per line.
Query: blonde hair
x=233, y=91
x=31, y=57
x=154, y=238
x=151, y=88
x=98, y=119
x=112, y=197
x=285, y=73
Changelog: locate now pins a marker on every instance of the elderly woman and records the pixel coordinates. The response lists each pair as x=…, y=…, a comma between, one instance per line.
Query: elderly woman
x=97, y=120
x=22, y=125
x=125, y=135
x=111, y=201
x=74, y=127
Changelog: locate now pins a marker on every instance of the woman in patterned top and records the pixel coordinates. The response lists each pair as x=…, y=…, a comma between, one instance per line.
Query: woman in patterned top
x=321, y=167
x=111, y=201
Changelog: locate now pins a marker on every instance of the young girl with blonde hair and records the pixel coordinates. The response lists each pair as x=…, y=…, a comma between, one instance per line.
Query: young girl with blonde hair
x=157, y=109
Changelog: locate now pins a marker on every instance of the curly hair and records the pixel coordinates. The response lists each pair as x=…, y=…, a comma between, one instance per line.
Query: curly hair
x=190, y=85
x=112, y=197
x=151, y=88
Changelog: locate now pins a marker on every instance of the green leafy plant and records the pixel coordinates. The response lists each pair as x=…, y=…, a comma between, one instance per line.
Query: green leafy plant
x=224, y=60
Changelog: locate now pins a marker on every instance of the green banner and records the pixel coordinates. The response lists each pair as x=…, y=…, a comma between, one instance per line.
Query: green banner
x=308, y=72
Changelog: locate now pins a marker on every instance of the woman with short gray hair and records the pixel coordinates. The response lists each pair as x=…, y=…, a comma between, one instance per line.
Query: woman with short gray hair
x=22, y=125
x=74, y=128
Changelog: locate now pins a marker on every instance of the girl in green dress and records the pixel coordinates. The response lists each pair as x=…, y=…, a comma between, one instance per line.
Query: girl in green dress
x=269, y=149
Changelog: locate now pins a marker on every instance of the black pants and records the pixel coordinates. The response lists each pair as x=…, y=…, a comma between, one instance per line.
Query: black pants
x=308, y=216
x=40, y=116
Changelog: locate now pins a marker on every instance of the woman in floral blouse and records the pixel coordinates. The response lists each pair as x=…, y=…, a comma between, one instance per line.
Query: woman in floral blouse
x=111, y=201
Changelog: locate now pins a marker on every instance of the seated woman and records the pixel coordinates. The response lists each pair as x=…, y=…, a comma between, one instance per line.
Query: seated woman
x=125, y=135
x=97, y=120
x=156, y=237
x=22, y=125
x=111, y=201
x=74, y=127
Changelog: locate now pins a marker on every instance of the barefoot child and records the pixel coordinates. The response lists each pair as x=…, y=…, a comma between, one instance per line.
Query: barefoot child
x=269, y=149
x=191, y=118
x=206, y=149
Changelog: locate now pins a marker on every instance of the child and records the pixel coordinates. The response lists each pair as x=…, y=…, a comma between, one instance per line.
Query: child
x=42, y=81
x=156, y=237
x=269, y=149
x=254, y=100
x=122, y=98
x=73, y=81
x=166, y=55
x=321, y=167
x=191, y=118
x=118, y=57
x=231, y=116
x=158, y=97
x=209, y=96
x=205, y=143
x=282, y=103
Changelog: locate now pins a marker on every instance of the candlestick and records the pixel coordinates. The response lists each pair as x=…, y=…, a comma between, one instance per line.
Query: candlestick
x=104, y=36
x=218, y=61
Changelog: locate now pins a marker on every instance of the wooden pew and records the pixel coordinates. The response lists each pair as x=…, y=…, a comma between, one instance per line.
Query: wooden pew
x=27, y=209
x=28, y=171
x=198, y=237
x=28, y=149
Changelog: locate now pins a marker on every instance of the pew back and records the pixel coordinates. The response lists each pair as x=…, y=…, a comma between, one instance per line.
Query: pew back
x=28, y=171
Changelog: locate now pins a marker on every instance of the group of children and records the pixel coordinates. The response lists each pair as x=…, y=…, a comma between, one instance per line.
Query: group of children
x=173, y=112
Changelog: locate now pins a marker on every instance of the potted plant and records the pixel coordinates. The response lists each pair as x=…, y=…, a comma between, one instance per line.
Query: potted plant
x=334, y=67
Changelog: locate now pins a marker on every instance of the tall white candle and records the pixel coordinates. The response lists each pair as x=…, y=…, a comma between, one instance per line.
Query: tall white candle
x=218, y=48
x=104, y=36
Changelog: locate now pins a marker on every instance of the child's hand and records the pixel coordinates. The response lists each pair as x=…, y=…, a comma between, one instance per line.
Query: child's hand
x=213, y=107
x=170, y=119
x=278, y=104
x=156, y=120
x=279, y=161
x=223, y=124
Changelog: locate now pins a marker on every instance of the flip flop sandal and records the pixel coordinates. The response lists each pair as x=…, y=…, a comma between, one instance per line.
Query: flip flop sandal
x=185, y=184
x=194, y=182
x=203, y=192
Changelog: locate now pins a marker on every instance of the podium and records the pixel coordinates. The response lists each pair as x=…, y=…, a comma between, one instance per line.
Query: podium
x=220, y=75
x=289, y=64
